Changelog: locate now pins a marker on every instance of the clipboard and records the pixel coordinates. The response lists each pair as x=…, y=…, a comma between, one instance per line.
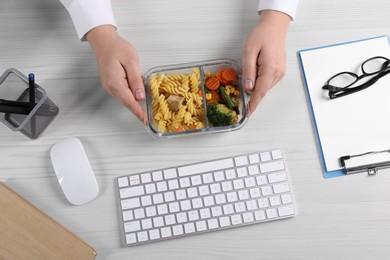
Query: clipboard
x=352, y=132
x=28, y=233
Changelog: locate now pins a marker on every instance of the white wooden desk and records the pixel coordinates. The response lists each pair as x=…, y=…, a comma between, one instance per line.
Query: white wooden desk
x=341, y=218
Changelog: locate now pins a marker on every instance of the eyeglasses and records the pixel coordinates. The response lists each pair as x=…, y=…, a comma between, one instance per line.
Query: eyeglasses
x=344, y=83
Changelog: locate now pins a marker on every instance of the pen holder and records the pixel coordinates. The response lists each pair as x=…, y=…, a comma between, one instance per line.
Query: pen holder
x=14, y=90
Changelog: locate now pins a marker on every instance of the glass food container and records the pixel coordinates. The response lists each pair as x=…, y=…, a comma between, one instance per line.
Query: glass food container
x=194, y=98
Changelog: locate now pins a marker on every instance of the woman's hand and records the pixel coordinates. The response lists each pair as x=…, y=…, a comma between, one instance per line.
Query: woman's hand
x=118, y=68
x=264, y=56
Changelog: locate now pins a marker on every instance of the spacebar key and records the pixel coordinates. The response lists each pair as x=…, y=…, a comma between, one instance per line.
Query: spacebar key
x=205, y=167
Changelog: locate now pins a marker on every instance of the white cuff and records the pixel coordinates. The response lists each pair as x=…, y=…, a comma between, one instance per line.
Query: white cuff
x=88, y=14
x=288, y=7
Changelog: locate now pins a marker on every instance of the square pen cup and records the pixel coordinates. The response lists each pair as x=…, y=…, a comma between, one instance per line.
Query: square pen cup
x=209, y=66
x=14, y=86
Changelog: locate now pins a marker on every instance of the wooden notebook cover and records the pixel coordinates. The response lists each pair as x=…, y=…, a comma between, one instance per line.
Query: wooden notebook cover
x=28, y=233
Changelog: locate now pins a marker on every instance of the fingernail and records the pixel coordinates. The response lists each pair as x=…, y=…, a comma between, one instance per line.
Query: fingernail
x=139, y=94
x=248, y=84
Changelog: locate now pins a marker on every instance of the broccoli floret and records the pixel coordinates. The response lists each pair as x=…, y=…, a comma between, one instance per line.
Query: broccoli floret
x=220, y=115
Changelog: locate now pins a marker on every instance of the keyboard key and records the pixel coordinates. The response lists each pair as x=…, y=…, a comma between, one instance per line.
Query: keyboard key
x=277, y=154
x=219, y=176
x=253, y=169
x=158, y=222
x=196, y=180
x=205, y=167
x=271, y=213
x=277, y=177
x=254, y=193
x=242, y=172
x=162, y=186
x=130, y=203
x=182, y=217
x=224, y=221
x=170, y=174
x=139, y=213
x=216, y=211
x=259, y=215
x=208, y=201
x=123, y=182
x=134, y=180
x=177, y=230
x=212, y=223
x=251, y=204
x=150, y=188
x=132, y=226
x=286, y=198
x=265, y=156
x=127, y=215
x=170, y=219
x=254, y=158
x=208, y=178
x=205, y=213
x=154, y=234
x=241, y=160
x=131, y=192
x=131, y=238
x=201, y=225
x=266, y=190
x=157, y=176
x=142, y=236
x=204, y=190
x=271, y=166
x=236, y=219
x=203, y=197
x=166, y=232
x=173, y=184
x=248, y=217
x=250, y=182
x=215, y=188
x=193, y=215
x=181, y=194
x=158, y=198
x=286, y=210
x=227, y=186
x=189, y=228
x=146, y=200
x=230, y=174
x=282, y=187
x=146, y=178
x=151, y=211
x=146, y=223
x=274, y=201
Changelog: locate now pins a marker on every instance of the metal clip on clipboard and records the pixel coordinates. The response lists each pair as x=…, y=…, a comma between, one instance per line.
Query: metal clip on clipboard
x=371, y=168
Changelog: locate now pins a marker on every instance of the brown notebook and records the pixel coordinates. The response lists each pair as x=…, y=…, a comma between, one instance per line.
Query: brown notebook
x=28, y=233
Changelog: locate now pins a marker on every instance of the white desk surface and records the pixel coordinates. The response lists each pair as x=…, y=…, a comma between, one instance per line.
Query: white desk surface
x=341, y=218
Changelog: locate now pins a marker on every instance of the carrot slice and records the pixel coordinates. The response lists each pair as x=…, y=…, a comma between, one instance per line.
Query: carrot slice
x=220, y=77
x=212, y=83
x=229, y=74
x=214, y=97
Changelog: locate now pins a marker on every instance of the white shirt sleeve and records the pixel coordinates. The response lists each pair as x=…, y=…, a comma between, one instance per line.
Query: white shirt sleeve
x=88, y=14
x=288, y=7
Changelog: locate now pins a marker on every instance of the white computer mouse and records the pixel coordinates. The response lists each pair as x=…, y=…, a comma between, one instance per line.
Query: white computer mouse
x=73, y=170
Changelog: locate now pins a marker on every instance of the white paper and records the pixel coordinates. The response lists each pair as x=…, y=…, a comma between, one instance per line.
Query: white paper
x=356, y=123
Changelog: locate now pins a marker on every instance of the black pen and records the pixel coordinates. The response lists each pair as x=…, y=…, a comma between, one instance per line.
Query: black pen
x=31, y=85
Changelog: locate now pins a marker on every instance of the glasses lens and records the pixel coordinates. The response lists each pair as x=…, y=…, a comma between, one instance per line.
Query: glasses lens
x=343, y=80
x=373, y=65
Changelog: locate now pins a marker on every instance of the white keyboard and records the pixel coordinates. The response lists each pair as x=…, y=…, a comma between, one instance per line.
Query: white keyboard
x=203, y=197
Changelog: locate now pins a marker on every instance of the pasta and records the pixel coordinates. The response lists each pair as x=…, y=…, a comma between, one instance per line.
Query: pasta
x=177, y=102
